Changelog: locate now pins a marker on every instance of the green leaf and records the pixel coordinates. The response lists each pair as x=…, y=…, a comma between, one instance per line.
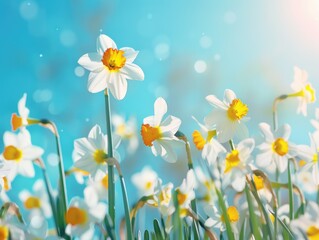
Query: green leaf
x=242, y=231
x=126, y=210
x=291, y=196
x=178, y=230
x=109, y=226
x=222, y=205
x=252, y=216
x=146, y=235
x=157, y=230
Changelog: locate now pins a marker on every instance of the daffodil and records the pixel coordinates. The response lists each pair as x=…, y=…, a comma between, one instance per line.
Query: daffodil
x=307, y=224
x=237, y=164
x=303, y=90
x=127, y=130
x=261, y=188
x=97, y=188
x=228, y=117
x=38, y=201
x=81, y=217
x=185, y=192
x=22, y=120
x=160, y=135
x=163, y=198
x=217, y=220
x=276, y=148
x=145, y=181
x=206, y=186
x=309, y=156
x=204, y=141
x=91, y=152
x=111, y=67
x=19, y=153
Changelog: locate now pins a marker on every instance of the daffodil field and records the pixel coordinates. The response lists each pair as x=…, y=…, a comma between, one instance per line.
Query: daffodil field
x=233, y=191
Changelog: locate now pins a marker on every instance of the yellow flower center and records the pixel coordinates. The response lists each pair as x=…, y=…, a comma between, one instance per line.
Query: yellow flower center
x=150, y=134
x=12, y=153
x=100, y=156
x=105, y=181
x=302, y=163
x=313, y=233
x=148, y=185
x=280, y=146
x=312, y=93
x=16, y=121
x=232, y=213
x=121, y=130
x=113, y=59
x=272, y=218
x=32, y=202
x=232, y=160
x=237, y=110
x=181, y=197
x=4, y=233
x=165, y=197
x=76, y=216
x=315, y=158
x=259, y=182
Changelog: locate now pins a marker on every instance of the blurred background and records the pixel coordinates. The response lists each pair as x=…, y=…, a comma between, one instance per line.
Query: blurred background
x=188, y=50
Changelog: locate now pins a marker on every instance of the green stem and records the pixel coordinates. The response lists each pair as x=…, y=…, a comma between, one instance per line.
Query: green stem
x=129, y=233
x=290, y=190
x=183, y=137
x=231, y=144
x=111, y=180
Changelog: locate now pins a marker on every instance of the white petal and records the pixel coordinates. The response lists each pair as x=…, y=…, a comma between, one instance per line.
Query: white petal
x=156, y=148
x=229, y=96
x=171, y=124
x=239, y=183
x=226, y=132
x=25, y=168
x=215, y=117
x=129, y=53
x=284, y=132
x=103, y=43
x=132, y=71
x=167, y=152
x=315, y=174
x=32, y=152
x=214, y=101
x=264, y=159
x=90, y=196
x=241, y=131
x=265, y=128
x=160, y=108
x=91, y=62
x=83, y=146
x=118, y=86
x=248, y=144
x=22, y=109
x=10, y=138
x=282, y=163
x=97, y=81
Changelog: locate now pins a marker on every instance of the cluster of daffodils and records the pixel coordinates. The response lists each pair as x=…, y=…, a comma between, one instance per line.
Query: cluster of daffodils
x=241, y=186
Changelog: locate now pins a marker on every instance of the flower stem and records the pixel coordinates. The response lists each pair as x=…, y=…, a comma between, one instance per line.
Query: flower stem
x=62, y=198
x=111, y=180
x=274, y=110
x=129, y=234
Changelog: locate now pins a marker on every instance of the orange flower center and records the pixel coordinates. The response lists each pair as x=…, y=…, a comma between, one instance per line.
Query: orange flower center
x=237, y=110
x=76, y=216
x=4, y=233
x=232, y=213
x=232, y=160
x=105, y=181
x=12, y=153
x=259, y=182
x=113, y=59
x=150, y=134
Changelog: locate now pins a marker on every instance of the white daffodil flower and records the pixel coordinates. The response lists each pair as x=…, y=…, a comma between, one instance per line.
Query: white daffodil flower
x=310, y=156
x=204, y=141
x=217, y=220
x=229, y=116
x=127, y=130
x=303, y=90
x=38, y=200
x=185, y=192
x=145, y=181
x=276, y=148
x=163, y=198
x=19, y=153
x=237, y=164
x=307, y=225
x=81, y=217
x=160, y=135
x=111, y=67
x=97, y=188
x=206, y=186
x=91, y=152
